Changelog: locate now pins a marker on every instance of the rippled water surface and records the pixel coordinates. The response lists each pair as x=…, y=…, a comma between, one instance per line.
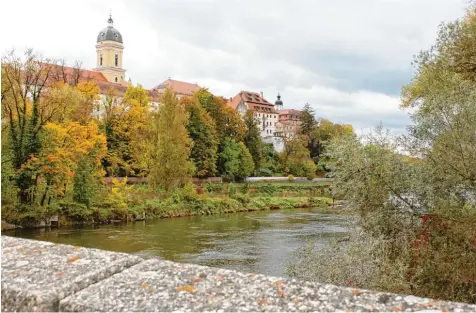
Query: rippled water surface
x=257, y=242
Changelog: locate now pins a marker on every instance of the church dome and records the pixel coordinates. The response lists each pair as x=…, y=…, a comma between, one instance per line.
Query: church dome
x=110, y=33
x=278, y=102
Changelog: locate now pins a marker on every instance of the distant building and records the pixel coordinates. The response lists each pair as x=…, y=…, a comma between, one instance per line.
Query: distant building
x=181, y=88
x=263, y=110
x=289, y=123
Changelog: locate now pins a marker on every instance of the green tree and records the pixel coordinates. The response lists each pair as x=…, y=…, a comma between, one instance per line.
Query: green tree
x=168, y=145
x=253, y=140
x=201, y=130
x=418, y=213
x=235, y=161
x=246, y=162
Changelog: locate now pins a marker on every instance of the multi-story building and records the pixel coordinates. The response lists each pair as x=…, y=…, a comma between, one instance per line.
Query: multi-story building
x=263, y=110
x=289, y=123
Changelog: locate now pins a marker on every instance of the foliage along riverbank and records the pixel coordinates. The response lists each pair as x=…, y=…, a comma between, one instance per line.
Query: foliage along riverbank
x=130, y=203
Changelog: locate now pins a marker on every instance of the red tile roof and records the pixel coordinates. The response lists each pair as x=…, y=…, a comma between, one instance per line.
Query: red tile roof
x=290, y=111
x=71, y=74
x=253, y=100
x=179, y=87
x=120, y=89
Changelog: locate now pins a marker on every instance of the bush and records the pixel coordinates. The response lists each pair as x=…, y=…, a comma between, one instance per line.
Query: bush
x=290, y=177
x=242, y=198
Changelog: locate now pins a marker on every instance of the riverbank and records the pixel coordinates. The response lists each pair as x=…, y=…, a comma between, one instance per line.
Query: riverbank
x=139, y=203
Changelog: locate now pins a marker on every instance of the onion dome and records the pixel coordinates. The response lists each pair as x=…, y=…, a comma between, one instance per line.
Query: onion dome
x=110, y=33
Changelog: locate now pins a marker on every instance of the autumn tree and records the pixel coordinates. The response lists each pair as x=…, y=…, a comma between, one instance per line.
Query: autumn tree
x=90, y=96
x=124, y=119
x=201, y=130
x=68, y=151
x=295, y=158
x=25, y=112
x=253, y=139
x=324, y=134
x=168, y=144
x=228, y=122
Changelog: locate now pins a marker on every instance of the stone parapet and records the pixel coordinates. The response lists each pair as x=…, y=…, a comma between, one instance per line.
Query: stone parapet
x=41, y=276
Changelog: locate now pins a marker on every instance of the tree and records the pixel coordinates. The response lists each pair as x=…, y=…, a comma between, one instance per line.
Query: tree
x=201, y=130
x=324, y=134
x=253, y=140
x=169, y=145
x=228, y=122
x=295, y=158
x=235, y=161
x=419, y=213
x=124, y=120
x=90, y=92
x=308, y=129
x=26, y=111
x=64, y=146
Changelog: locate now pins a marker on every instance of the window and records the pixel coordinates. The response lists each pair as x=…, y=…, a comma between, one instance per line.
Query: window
x=116, y=60
x=100, y=59
x=115, y=78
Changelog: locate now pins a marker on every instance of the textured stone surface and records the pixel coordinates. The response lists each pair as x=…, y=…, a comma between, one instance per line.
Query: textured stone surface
x=156, y=285
x=36, y=274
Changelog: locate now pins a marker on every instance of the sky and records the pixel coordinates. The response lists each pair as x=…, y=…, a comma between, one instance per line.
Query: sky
x=347, y=58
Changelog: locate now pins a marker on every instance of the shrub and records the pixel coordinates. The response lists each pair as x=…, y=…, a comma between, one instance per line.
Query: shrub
x=290, y=177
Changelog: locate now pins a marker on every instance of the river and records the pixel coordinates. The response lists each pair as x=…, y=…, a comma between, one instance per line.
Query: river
x=256, y=242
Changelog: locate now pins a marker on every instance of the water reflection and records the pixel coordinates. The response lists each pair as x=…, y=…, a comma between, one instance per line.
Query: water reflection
x=259, y=242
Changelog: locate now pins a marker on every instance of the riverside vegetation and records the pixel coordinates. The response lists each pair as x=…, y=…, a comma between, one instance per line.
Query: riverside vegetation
x=60, y=138
x=416, y=226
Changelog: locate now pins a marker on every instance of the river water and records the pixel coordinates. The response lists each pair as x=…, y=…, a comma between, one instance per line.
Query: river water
x=258, y=242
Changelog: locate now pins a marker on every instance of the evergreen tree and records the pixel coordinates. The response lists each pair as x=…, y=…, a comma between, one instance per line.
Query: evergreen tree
x=253, y=140
x=308, y=130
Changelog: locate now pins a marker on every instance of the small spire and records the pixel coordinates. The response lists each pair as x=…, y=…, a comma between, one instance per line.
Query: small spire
x=279, y=96
x=110, y=21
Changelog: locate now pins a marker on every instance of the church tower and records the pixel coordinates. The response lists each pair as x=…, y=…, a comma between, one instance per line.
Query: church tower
x=109, y=51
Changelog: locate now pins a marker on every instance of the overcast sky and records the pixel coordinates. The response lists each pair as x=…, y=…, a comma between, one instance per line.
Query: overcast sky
x=347, y=58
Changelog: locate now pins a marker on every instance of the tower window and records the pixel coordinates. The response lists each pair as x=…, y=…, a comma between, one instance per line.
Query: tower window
x=116, y=60
x=100, y=60
x=115, y=78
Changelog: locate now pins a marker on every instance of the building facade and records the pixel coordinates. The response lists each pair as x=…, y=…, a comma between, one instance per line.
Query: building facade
x=289, y=123
x=264, y=111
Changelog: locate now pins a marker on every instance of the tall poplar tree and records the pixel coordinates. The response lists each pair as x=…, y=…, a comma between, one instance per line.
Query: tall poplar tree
x=169, y=159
